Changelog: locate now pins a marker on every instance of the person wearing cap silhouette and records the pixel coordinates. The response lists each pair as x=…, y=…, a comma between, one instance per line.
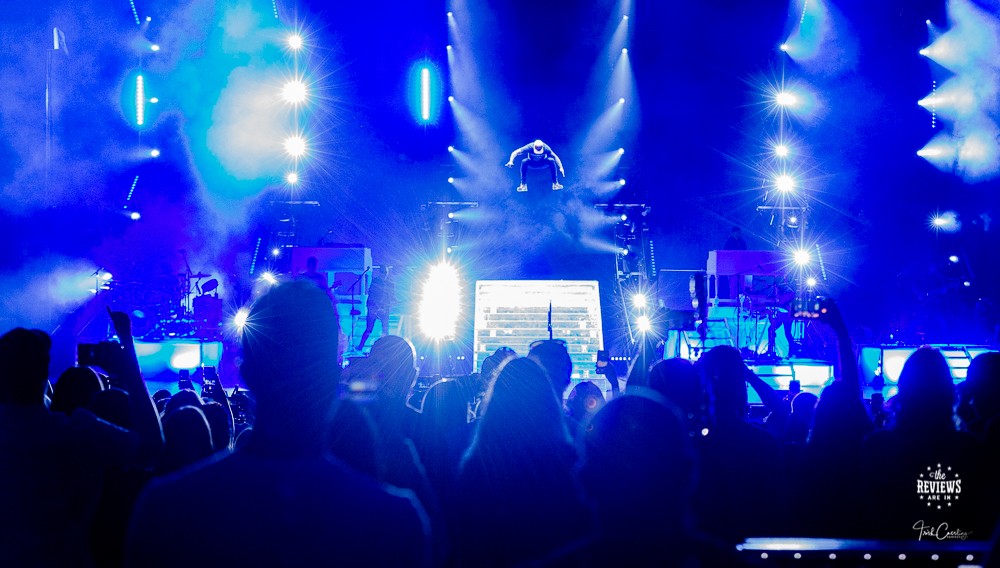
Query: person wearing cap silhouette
x=539, y=155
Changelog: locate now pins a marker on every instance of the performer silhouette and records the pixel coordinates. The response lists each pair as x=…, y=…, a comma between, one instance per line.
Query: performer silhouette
x=381, y=296
x=538, y=155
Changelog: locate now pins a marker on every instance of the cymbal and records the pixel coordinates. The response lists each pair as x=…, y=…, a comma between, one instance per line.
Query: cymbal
x=199, y=275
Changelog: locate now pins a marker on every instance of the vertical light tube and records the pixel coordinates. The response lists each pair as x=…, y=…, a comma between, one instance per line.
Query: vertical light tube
x=425, y=94
x=140, y=101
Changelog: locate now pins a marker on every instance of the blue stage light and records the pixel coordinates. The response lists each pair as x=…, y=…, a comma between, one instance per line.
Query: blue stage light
x=425, y=94
x=425, y=90
x=140, y=100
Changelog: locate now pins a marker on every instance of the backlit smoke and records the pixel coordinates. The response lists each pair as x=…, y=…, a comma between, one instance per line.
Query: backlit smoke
x=968, y=103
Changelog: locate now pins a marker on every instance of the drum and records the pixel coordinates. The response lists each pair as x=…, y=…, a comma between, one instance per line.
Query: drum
x=208, y=309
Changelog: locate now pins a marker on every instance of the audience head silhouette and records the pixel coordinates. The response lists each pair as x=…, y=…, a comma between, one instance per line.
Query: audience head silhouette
x=723, y=372
x=75, y=389
x=521, y=409
x=24, y=366
x=393, y=363
x=554, y=358
x=926, y=392
x=290, y=362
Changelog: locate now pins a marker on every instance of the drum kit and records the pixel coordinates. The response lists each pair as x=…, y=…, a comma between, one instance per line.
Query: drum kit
x=765, y=309
x=174, y=308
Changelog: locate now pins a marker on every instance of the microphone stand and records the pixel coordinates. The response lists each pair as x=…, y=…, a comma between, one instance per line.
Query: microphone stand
x=188, y=276
x=550, y=319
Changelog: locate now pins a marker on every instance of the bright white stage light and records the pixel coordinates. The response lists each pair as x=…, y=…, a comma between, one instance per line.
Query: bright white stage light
x=448, y=47
x=811, y=282
x=784, y=183
x=621, y=101
x=292, y=178
x=451, y=15
x=625, y=17
x=928, y=22
x=449, y=250
x=154, y=100
x=240, y=318
x=154, y=153
x=295, y=146
x=439, y=302
x=781, y=150
x=294, y=91
x=451, y=214
x=953, y=259
x=802, y=257
x=295, y=41
x=785, y=98
x=624, y=217
x=451, y=149
x=783, y=47
x=135, y=216
x=276, y=251
x=621, y=181
x=923, y=52
x=106, y=276
x=621, y=151
x=451, y=180
x=451, y=98
x=154, y=47
x=643, y=324
x=946, y=221
x=269, y=277
x=639, y=300
x=623, y=251
x=624, y=51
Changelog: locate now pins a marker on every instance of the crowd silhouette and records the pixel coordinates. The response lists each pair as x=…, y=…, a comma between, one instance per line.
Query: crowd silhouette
x=315, y=464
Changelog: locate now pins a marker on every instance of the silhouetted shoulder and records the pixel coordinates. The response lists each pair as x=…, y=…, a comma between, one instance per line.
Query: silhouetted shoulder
x=259, y=511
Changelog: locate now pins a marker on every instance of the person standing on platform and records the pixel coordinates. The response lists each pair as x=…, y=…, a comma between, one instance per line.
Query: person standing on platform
x=381, y=297
x=538, y=155
x=730, y=284
x=319, y=278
